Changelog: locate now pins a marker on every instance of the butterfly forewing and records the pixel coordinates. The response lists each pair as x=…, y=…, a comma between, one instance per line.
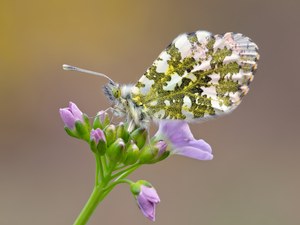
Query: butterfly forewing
x=198, y=76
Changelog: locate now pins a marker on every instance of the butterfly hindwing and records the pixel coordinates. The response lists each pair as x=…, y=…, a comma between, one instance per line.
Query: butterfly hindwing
x=198, y=76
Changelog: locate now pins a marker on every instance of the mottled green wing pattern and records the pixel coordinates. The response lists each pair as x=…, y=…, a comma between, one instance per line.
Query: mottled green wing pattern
x=198, y=76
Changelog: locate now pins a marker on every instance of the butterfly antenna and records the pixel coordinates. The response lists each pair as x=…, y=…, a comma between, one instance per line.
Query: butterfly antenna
x=74, y=68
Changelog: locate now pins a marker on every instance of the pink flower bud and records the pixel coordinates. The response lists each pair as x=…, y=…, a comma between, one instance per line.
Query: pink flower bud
x=147, y=200
x=70, y=115
x=97, y=135
x=161, y=146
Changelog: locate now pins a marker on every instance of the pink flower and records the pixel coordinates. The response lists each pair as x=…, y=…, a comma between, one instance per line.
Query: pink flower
x=70, y=115
x=147, y=200
x=181, y=141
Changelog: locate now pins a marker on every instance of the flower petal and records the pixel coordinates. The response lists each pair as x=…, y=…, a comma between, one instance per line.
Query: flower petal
x=161, y=146
x=147, y=207
x=75, y=111
x=97, y=135
x=67, y=118
x=193, y=152
x=181, y=141
x=200, y=144
x=175, y=129
x=150, y=193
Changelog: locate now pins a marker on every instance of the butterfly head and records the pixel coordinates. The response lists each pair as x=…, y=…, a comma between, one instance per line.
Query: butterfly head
x=112, y=91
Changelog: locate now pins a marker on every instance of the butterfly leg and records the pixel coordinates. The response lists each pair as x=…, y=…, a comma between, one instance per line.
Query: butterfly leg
x=115, y=111
x=109, y=109
x=131, y=126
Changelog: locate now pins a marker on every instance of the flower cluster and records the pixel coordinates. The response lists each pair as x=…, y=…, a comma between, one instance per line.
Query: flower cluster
x=119, y=152
x=114, y=141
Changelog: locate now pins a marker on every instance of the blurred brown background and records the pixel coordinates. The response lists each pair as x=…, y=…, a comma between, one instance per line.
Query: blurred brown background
x=46, y=177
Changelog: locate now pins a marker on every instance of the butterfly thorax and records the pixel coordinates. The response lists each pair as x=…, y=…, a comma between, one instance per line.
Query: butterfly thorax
x=124, y=105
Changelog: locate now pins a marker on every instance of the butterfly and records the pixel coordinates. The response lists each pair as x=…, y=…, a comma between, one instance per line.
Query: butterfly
x=199, y=76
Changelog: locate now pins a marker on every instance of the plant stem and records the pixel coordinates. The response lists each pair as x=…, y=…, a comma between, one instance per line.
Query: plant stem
x=103, y=186
x=130, y=168
x=96, y=197
x=99, y=170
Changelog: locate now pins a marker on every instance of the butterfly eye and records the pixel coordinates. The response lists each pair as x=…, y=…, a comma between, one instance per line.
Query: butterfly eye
x=116, y=93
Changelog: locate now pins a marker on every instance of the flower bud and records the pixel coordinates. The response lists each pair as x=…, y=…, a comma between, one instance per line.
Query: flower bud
x=139, y=136
x=76, y=123
x=86, y=120
x=115, y=151
x=132, y=154
x=154, y=152
x=147, y=198
x=98, y=141
x=70, y=115
x=122, y=132
x=101, y=120
x=110, y=133
x=162, y=152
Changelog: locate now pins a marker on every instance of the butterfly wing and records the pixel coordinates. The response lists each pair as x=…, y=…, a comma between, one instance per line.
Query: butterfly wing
x=198, y=76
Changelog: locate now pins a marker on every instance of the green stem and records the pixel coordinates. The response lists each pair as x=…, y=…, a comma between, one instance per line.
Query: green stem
x=112, y=185
x=99, y=170
x=103, y=186
x=104, y=164
x=130, y=168
x=96, y=197
x=125, y=174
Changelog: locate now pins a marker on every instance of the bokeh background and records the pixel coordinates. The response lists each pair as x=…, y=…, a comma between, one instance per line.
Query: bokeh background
x=46, y=177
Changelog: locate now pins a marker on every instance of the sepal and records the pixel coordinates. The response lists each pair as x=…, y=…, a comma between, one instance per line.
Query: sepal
x=122, y=132
x=82, y=130
x=139, y=136
x=86, y=121
x=111, y=134
x=154, y=152
x=93, y=146
x=70, y=132
x=135, y=188
x=132, y=154
x=101, y=147
x=116, y=150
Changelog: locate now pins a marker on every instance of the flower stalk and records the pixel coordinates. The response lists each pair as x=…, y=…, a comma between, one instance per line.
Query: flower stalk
x=103, y=186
